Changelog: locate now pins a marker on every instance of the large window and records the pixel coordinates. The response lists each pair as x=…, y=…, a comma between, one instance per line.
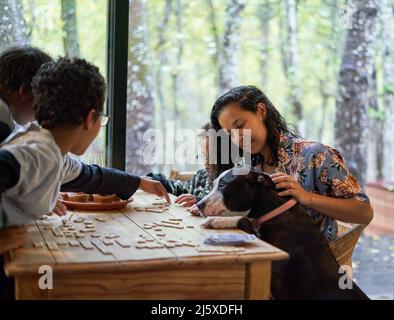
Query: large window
x=61, y=27
x=184, y=54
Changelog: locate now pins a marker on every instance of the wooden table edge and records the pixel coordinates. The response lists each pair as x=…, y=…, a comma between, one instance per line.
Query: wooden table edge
x=13, y=270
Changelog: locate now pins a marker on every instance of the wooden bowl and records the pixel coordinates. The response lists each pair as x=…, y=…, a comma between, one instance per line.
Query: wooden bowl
x=94, y=206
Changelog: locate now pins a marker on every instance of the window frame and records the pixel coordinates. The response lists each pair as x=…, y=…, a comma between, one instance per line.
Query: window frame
x=117, y=61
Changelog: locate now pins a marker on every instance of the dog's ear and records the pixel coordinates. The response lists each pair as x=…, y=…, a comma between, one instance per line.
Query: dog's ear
x=260, y=177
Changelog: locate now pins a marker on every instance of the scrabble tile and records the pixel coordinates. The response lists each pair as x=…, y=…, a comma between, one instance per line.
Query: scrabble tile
x=103, y=249
x=140, y=246
x=112, y=236
x=176, y=223
x=62, y=243
x=108, y=242
x=52, y=246
x=57, y=233
x=178, y=244
x=154, y=210
x=73, y=243
x=188, y=244
x=87, y=230
x=86, y=244
x=170, y=226
x=38, y=244
x=123, y=243
x=95, y=235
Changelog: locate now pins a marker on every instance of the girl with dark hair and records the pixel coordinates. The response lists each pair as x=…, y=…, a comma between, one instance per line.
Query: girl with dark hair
x=309, y=171
x=191, y=191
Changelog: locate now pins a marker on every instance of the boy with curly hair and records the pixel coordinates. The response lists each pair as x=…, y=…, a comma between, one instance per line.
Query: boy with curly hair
x=18, y=66
x=68, y=101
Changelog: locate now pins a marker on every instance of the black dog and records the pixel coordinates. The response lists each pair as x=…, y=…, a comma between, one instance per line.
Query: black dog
x=312, y=271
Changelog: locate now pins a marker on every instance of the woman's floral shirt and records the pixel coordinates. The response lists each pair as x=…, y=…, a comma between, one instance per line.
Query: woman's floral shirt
x=319, y=169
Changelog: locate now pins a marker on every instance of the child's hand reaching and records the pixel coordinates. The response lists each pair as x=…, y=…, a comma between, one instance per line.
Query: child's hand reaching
x=187, y=200
x=60, y=209
x=12, y=238
x=155, y=187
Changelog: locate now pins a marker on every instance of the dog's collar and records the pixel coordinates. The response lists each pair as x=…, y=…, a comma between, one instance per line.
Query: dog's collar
x=276, y=212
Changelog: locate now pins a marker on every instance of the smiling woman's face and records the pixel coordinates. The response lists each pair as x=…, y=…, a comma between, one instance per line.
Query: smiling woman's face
x=234, y=117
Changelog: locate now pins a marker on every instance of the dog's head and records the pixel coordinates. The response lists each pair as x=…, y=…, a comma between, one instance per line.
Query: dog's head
x=234, y=194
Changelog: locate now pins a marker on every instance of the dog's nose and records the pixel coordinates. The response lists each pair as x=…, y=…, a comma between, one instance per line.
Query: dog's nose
x=201, y=206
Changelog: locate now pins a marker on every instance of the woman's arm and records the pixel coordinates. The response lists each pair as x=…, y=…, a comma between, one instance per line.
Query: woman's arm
x=346, y=210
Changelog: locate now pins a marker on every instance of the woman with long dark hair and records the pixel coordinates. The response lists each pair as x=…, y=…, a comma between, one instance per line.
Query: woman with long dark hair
x=311, y=172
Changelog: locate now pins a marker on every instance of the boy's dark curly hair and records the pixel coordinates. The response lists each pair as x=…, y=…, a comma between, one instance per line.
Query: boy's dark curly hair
x=65, y=91
x=18, y=66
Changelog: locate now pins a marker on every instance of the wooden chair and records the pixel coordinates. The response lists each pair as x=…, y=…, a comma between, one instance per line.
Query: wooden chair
x=181, y=175
x=343, y=246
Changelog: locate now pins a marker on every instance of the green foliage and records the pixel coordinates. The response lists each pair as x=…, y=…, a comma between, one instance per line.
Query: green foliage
x=375, y=114
x=388, y=88
x=320, y=45
x=43, y=17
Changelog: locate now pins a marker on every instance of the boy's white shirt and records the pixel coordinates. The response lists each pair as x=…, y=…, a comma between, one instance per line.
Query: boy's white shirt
x=43, y=170
x=5, y=115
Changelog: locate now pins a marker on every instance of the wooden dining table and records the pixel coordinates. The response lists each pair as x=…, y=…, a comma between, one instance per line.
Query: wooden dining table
x=153, y=255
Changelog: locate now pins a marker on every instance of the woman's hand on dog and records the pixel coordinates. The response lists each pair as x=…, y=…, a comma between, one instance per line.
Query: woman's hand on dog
x=187, y=200
x=293, y=188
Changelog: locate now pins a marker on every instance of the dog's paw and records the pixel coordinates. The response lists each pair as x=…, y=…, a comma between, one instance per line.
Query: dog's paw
x=195, y=211
x=221, y=223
